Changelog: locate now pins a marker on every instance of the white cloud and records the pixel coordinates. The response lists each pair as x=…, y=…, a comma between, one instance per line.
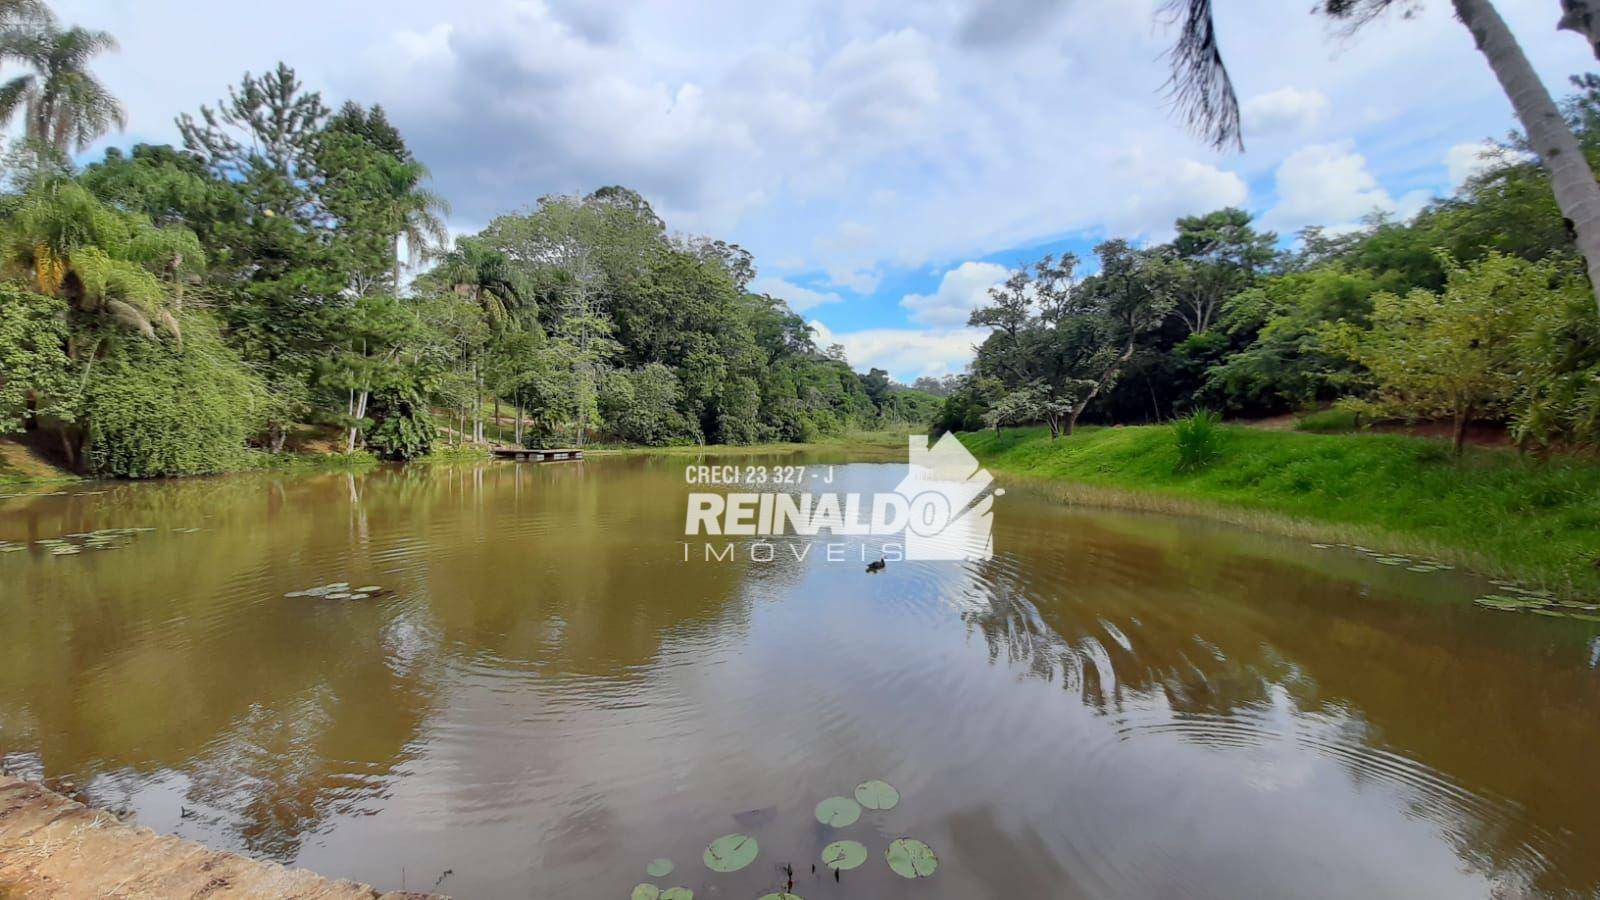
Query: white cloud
x=1286, y=109
x=850, y=139
x=1473, y=158
x=1329, y=185
x=960, y=291
x=905, y=353
x=798, y=297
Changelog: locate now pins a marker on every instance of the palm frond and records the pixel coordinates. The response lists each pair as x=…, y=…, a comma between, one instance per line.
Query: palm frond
x=1200, y=87
x=25, y=12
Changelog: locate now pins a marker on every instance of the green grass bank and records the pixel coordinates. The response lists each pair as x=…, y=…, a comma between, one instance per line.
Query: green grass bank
x=1523, y=518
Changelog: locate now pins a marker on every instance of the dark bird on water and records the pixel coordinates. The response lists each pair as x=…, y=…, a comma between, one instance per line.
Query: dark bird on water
x=878, y=566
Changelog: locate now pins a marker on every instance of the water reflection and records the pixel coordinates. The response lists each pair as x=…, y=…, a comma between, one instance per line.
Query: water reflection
x=1116, y=706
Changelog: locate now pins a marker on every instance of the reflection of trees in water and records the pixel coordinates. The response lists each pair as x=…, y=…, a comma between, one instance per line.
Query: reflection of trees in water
x=1143, y=619
x=178, y=653
x=567, y=569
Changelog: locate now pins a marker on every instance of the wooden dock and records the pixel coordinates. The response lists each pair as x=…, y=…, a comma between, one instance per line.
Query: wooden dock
x=523, y=454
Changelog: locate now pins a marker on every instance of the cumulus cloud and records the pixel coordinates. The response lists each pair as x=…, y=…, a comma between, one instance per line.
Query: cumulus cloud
x=1331, y=185
x=1286, y=109
x=799, y=297
x=1466, y=160
x=841, y=141
x=905, y=353
x=960, y=291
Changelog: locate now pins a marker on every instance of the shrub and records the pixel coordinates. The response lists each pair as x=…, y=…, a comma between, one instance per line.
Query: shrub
x=1199, y=440
x=156, y=408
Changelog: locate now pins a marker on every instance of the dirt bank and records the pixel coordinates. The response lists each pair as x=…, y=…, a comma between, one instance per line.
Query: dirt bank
x=51, y=846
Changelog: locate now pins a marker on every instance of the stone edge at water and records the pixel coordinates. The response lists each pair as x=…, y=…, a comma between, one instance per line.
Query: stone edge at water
x=52, y=846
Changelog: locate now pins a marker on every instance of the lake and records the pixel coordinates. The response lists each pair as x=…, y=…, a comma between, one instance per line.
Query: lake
x=543, y=695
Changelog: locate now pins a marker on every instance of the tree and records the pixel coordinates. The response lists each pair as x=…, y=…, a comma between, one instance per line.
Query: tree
x=1218, y=255
x=375, y=334
x=1128, y=298
x=65, y=105
x=18, y=19
x=1452, y=354
x=102, y=262
x=35, y=372
x=373, y=185
x=278, y=269
x=266, y=124
x=483, y=274
x=1204, y=93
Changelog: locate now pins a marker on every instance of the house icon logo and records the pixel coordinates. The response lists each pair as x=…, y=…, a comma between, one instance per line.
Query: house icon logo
x=950, y=504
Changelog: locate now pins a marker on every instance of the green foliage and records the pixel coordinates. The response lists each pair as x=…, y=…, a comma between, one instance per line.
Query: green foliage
x=1558, y=395
x=1198, y=439
x=156, y=408
x=1406, y=490
x=35, y=372
x=403, y=429
x=641, y=406
x=1456, y=353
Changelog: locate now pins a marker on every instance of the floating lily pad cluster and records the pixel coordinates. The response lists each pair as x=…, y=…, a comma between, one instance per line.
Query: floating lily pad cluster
x=77, y=542
x=1421, y=566
x=1541, y=603
x=340, y=590
x=1514, y=597
x=907, y=857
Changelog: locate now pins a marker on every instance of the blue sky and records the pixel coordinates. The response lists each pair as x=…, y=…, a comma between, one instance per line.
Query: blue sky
x=885, y=161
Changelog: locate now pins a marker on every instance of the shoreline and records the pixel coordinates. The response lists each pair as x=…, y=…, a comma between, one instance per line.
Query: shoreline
x=1502, y=517
x=52, y=845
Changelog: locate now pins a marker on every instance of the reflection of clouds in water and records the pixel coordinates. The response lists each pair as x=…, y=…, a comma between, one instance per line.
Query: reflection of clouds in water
x=1115, y=707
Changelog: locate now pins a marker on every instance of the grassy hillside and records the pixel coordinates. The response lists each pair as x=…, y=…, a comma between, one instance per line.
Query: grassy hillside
x=1491, y=510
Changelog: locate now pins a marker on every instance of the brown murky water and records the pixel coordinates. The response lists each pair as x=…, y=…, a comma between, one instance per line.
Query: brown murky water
x=547, y=696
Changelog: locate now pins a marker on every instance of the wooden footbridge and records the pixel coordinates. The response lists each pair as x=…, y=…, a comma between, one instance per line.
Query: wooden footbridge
x=523, y=454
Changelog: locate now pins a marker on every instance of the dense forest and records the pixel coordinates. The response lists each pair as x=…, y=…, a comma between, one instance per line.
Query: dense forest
x=1477, y=310
x=286, y=272
x=165, y=309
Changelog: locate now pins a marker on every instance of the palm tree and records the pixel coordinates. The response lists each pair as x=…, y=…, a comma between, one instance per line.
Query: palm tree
x=66, y=243
x=1203, y=92
x=16, y=14
x=474, y=269
x=419, y=212
x=66, y=106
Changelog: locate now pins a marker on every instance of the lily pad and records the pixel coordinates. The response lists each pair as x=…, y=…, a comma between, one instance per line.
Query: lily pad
x=731, y=852
x=838, y=811
x=844, y=855
x=645, y=891
x=1393, y=560
x=780, y=896
x=370, y=588
x=659, y=868
x=911, y=858
x=677, y=893
x=877, y=794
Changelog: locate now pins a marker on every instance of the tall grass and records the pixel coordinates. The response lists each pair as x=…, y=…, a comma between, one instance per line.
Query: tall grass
x=1521, y=517
x=1198, y=440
